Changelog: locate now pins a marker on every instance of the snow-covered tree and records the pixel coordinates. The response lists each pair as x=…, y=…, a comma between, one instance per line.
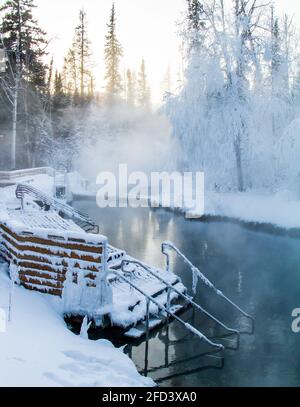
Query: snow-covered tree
x=26, y=80
x=237, y=85
x=22, y=31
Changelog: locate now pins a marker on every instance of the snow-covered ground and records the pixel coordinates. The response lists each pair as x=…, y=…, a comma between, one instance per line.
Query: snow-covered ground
x=37, y=349
x=282, y=210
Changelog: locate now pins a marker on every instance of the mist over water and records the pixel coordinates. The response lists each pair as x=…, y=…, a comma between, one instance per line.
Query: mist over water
x=125, y=135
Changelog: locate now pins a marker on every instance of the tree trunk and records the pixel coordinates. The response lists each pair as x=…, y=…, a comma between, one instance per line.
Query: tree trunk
x=14, y=128
x=238, y=156
x=82, y=58
x=15, y=106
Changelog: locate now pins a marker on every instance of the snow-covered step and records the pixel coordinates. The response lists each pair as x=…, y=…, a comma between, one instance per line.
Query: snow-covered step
x=134, y=333
x=139, y=331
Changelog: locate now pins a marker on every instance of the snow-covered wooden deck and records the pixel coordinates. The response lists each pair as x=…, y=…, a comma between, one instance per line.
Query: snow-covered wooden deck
x=53, y=255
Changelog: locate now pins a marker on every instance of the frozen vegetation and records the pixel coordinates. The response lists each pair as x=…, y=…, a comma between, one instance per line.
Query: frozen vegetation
x=237, y=114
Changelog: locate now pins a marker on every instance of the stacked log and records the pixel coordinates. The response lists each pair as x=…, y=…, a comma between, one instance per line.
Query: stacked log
x=43, y=259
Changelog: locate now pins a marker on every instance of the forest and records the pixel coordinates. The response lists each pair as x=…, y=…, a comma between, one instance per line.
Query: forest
x=234, y=115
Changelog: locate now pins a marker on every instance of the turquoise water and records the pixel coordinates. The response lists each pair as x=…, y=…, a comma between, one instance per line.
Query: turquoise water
x=261, y=272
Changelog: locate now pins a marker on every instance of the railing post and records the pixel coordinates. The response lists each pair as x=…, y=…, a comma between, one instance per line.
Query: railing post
x=147, y=337
x=164, y=252
x=168, y=304
x=147, y=318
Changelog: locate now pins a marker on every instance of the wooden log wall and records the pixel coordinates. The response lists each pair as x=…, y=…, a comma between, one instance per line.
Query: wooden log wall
x=43, y=262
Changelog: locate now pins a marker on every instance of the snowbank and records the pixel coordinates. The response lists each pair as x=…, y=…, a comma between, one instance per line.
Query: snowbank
x=38, y=349
x=282, y=210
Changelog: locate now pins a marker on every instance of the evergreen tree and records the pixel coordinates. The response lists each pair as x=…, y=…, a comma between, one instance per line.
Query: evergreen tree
x=280, y=83
x=77, y=65
x=50, y=75
x=58, y=85
x=113, y=54
x=143, y=88
x=70, y=72
x=131, y=87
x=195, y=15
x=91, y=93
x=25, y=43
x=82, y=45
x=195, y=22
x=59, y=99
x=22, y=32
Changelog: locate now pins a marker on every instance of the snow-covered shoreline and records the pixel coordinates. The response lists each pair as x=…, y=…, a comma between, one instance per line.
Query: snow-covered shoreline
x=279, y=210
x=38, y=350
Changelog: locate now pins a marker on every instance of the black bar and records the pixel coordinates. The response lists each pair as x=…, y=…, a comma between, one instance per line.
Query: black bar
x=140, y=396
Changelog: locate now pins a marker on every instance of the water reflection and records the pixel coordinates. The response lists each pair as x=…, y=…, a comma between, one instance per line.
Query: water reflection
x=258, y=271
x=174, y=368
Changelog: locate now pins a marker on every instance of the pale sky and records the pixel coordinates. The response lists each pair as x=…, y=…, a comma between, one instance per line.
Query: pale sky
x=146, y=28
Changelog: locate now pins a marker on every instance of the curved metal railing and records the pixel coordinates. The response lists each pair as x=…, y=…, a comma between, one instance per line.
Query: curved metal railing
x=188, y=299
x=84, y=220
x=197, y=274
x=167, y=311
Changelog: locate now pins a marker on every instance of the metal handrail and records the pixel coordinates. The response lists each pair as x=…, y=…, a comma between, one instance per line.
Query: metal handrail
x=68, y=210
x=180, y=294
x=205, y=280
x=168, y=312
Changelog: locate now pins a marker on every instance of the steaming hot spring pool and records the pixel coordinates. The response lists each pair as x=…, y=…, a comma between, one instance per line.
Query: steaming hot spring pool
x=259, y=271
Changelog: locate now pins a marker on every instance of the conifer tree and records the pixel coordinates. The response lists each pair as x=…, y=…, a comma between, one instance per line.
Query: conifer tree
x=59, y=98
x=70, y=70
x=77, y=65
x=195, y=14
x=195, y=22
x=143, y=88
x=131, y=87
x=278, y=79
x=25, y=43
x=21, y=31
x=91, y=88
x=113, y=54
x=84, y=53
